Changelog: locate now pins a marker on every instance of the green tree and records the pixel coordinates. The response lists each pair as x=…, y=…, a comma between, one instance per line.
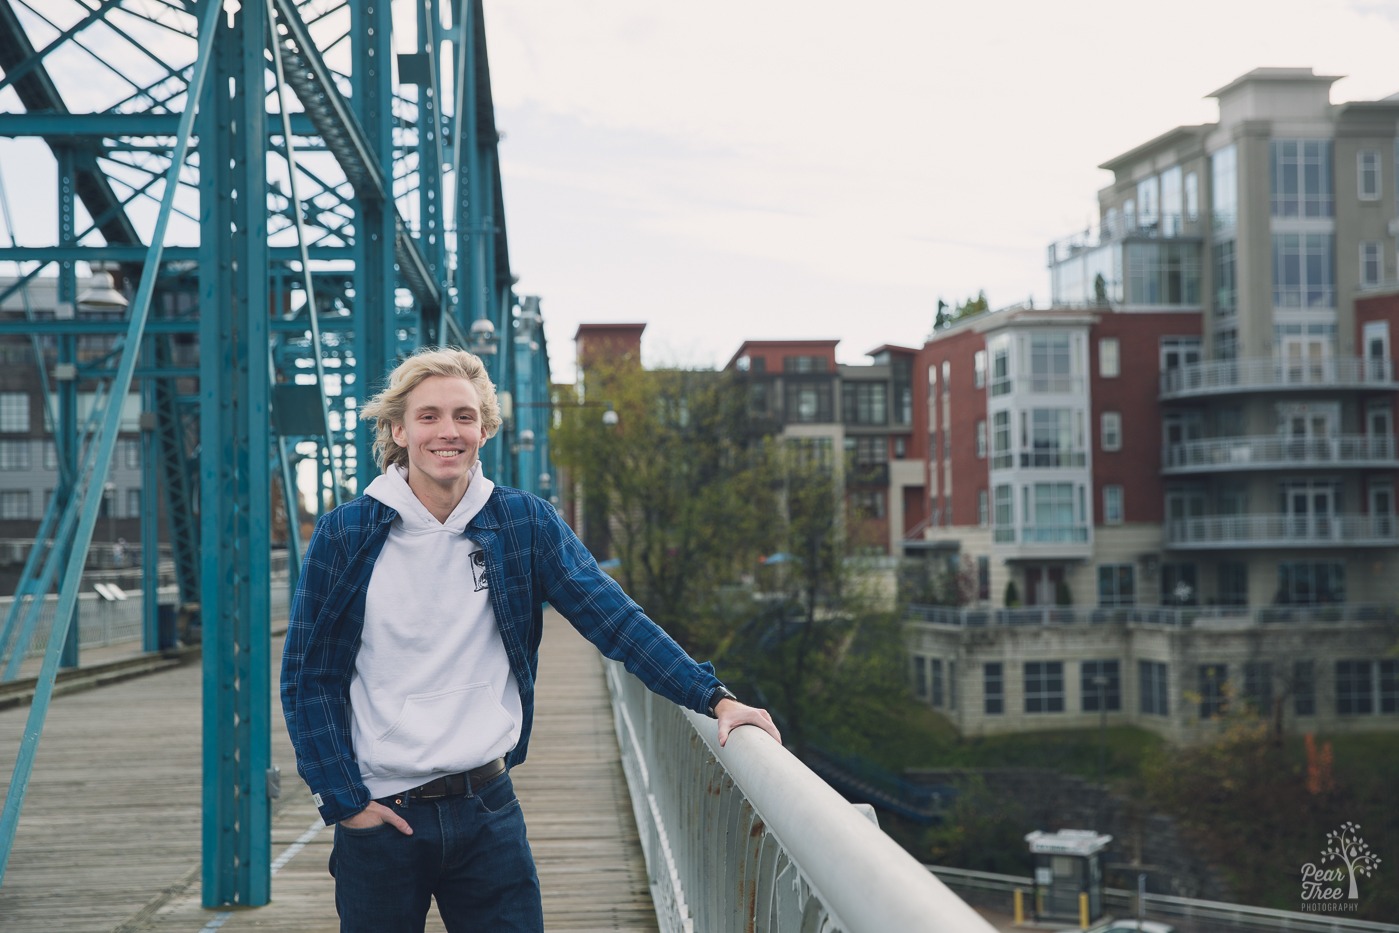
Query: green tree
x=675, y=489
x=817, y=642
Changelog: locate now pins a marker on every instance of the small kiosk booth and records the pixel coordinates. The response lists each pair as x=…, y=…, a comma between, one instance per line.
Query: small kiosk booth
x=1068, y=874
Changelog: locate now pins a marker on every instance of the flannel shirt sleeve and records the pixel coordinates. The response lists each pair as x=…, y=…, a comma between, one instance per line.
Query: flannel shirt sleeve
x=603, y=613
x=315, y=664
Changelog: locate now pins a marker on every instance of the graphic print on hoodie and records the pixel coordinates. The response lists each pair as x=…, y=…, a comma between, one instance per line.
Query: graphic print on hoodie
x=432, y=692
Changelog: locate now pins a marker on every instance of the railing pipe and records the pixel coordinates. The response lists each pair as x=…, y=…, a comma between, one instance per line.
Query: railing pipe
x=746, y=837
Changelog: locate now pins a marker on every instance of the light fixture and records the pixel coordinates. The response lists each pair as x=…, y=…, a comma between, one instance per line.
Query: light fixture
x=526, y=440
x=545, y=481
x=609, y=417
x=101, y=294
x=483, y=339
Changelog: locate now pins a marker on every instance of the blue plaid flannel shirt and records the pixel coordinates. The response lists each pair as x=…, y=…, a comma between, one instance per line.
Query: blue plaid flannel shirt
x=533, y=557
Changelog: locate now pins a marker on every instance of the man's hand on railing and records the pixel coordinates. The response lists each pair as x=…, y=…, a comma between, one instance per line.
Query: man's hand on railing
x=731, y=714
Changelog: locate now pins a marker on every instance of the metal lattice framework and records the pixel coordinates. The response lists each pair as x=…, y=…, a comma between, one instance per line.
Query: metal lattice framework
x=288, y=196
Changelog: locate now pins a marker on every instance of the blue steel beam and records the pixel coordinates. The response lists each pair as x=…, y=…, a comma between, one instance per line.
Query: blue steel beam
x=90, y=504
x=360, y=158
x=235, y=453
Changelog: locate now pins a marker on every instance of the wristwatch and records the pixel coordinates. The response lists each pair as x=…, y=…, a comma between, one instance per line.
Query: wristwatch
x=720, y=693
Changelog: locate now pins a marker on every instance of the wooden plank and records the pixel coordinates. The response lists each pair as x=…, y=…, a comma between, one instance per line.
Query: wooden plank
x=110, y=834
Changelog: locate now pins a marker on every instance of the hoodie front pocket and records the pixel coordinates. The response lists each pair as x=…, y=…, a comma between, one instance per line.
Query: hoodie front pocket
x=447, y=730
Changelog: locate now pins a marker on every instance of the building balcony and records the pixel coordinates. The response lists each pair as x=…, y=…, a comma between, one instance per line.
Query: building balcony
x=1270, y=452
x=1233, y=377
x=1044, y=542
x=1281, y=531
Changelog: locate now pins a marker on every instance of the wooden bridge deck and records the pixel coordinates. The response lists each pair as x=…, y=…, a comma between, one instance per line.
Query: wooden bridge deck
x=109, y=839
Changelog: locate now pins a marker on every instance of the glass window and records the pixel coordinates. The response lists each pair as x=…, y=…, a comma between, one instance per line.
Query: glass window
x=1163, y=273
x=1151, y=682
x=1389, y=685
x=1111, y=425
x=1303, y=270
x=1304, y=688
x=1224, y=188
x=979, y=368
x=1100, y=686
x=14, y=504
x=133, y=503
x=983, y=577
x=935, y=681
x=993, y=688
x=1301, y=177
x=1044, y=686
x=1213, y=693
x=1109, y=360
x=1172, y=202
x=1192, y=197
x=804, y=364
x=1048, y=438
x=981, y=439
x=14, y=412
x=1001, y=456
x=1117, y=585
x=808, y=402
x=1004, y=513
x=1000, y=366
x=1051, y=363
x=1233, y=583
x=983, y=508
x=1054, y=513
x=1258, y=686
x=920, y=676
x=14, y=455
x=1371, y=262
x=1148, y=190
x=1112, y=505
x=1367, y=163
x=1226, y=284
x=1354, y=688
x=865, y=402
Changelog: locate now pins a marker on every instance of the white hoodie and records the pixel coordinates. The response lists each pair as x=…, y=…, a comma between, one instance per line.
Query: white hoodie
x=432, y=692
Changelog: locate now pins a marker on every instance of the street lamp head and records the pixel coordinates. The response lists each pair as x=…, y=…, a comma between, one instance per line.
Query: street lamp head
x=101, y=294
x=609, y=418
x=526, y=440
x=545, y=482
x=483, y=339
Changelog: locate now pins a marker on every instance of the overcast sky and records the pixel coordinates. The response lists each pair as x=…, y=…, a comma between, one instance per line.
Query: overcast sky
x=819, y=170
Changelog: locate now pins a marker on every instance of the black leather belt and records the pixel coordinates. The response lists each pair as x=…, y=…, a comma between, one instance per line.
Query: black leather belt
x=455, y=785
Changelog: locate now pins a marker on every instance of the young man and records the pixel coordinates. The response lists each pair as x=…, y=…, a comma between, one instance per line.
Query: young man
x=410, y=661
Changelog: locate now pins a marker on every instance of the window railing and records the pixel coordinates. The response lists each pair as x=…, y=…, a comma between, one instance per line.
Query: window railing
x=1243, y=453
x=1268, y=373
x=1282, y=530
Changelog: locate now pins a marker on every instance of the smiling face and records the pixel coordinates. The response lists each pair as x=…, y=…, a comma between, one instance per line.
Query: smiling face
x=441, y=431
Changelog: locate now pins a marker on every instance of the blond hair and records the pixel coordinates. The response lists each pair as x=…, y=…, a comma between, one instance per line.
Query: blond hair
x=389, y=407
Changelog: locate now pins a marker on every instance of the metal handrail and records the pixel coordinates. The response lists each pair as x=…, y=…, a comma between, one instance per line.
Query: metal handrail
x=1260, y=451
x=746, y=837
x=1268, y=373
x=1282, y=530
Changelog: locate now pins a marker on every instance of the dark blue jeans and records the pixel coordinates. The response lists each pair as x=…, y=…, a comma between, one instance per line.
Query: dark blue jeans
x=468, y=852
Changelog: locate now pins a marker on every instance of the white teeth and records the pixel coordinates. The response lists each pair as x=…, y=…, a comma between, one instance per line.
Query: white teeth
x=447, y=454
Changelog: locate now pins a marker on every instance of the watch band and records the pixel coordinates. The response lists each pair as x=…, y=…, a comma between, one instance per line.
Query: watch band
x=720, y=693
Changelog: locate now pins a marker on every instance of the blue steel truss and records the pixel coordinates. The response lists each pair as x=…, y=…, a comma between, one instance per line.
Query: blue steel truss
x=278, y=252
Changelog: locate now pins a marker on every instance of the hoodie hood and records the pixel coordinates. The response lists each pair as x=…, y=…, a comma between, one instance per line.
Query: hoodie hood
x=392, y=489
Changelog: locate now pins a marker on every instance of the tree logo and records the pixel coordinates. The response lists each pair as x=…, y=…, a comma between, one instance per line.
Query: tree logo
x=1324, y=888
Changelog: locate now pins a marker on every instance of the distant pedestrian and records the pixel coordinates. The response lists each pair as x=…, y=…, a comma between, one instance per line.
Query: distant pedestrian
x=408, y=676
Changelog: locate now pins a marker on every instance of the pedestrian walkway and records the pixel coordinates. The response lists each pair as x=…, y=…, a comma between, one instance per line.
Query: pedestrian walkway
x=109, y=841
